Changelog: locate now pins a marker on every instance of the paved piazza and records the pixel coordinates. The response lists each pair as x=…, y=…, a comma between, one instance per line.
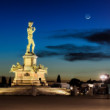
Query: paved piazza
x=54, y=103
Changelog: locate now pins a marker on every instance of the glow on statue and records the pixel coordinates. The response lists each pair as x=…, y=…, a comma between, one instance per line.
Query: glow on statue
x=30, y=31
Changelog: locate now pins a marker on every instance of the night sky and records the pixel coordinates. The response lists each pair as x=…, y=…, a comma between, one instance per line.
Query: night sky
x=72, y=36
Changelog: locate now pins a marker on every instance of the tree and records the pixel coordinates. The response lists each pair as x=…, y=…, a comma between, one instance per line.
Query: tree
x=4, y=81
x=58, y=79
x=75, y=82
x=89, y=81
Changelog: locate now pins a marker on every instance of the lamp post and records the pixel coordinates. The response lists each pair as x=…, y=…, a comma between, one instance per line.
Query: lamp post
x=103, y=77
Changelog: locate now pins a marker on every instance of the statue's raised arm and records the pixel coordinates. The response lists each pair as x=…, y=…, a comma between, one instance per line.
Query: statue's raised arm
x=30, y=31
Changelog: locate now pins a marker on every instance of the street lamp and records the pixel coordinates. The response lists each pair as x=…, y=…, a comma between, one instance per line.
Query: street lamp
x=71, y=87
x=106, y=77
x=103, y=77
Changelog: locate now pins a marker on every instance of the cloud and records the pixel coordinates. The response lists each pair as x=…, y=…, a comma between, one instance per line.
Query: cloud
x=45, y=53
x=74, y=33
x=71, y=52
x=75, y=56
x=73, y=48
x=100, y=37
x=85, y=56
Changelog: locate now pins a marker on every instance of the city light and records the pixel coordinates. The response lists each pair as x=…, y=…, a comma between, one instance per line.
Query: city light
x=103, y=77
x=71, y=88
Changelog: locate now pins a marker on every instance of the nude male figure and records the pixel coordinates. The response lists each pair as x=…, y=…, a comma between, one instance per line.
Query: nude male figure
x=30, y=31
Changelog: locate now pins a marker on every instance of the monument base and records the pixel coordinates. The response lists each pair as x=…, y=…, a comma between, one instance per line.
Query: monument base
x=28, y=82
x=29, y=73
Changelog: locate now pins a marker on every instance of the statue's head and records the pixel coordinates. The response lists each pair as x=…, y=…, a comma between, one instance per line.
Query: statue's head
x=30, y=24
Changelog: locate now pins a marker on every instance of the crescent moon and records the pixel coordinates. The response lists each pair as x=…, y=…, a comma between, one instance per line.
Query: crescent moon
x=88, y=17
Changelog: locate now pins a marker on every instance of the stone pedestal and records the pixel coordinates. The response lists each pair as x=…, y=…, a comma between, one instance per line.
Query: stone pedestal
x=29, y=61
x=29, y=73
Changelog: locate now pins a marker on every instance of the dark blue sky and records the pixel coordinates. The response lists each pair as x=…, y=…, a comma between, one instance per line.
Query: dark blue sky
x=66, y=42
